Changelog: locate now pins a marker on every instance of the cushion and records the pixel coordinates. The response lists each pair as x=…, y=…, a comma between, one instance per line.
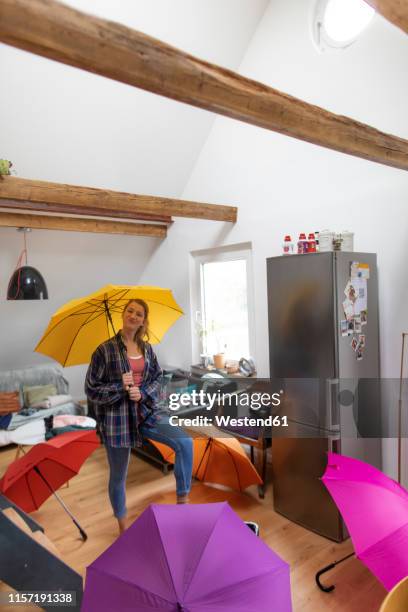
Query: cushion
x=38, y=393
x=9, y=402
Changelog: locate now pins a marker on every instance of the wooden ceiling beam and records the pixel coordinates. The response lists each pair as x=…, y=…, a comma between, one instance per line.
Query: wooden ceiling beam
x=70, y=224
x=395, y=11
x=73, y=210
x=107, y=202
x=53, y=30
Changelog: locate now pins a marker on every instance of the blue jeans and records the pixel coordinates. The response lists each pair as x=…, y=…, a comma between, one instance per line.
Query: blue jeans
x=118, y=459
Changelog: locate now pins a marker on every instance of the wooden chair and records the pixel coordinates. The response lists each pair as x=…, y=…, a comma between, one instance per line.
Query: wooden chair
x=397, y=598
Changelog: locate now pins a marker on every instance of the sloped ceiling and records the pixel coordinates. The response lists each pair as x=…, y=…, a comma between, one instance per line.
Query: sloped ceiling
x=60, y=124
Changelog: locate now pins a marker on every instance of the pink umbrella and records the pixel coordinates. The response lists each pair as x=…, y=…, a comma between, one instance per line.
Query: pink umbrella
x=375, y=510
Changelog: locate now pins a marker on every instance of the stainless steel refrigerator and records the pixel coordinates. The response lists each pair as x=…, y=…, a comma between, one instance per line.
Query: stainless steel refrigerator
x=330, y=386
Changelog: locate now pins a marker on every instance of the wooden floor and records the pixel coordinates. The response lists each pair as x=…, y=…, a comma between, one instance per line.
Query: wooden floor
x=306, y=552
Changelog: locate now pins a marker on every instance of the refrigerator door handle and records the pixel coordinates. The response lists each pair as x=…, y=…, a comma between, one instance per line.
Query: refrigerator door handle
x=332, y=392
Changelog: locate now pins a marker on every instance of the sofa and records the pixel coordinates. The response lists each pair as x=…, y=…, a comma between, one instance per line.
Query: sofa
x=17, y=380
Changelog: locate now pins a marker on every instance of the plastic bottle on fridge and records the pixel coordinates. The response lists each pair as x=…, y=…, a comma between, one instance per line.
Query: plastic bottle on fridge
x=302, y=244
x=311, y=243
x=317, y=241
x=287, y=246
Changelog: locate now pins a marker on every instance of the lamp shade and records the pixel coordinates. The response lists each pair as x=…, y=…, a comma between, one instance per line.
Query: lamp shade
x=27, y=283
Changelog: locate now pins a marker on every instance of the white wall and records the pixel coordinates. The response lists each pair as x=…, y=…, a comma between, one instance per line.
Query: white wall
x=61, y=124
x=282, y=185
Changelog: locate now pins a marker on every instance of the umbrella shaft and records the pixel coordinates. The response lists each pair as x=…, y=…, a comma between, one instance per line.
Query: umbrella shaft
x=204, y=454
x=82, y=532
x=36, y=469
x=123, y=357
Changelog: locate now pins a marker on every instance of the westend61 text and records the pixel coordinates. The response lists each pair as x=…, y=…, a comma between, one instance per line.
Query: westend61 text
x=209, y=400
x=226, y=421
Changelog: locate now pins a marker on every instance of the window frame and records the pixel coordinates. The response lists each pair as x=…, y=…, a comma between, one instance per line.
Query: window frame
x=220, y=254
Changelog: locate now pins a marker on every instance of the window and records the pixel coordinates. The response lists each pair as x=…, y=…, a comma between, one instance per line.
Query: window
x=223, y=313
x=338, y=23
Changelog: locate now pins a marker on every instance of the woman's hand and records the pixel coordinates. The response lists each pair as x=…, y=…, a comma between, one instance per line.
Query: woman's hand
x=134, y=394
x=127, y=380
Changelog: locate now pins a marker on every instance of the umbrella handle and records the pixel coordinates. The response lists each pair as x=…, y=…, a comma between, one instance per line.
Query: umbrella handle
x=323, y=571
x=330, y=588
x=81, y=531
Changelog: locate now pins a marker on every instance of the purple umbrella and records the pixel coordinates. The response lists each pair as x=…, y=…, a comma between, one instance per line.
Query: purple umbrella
x=190, y=558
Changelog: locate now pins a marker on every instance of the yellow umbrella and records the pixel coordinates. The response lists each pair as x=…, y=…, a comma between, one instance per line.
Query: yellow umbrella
x=78, y=327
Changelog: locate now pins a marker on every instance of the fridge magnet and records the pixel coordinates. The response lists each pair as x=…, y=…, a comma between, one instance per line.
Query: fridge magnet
x=354, y=344
x=361, y=340
x=363, y=315
x=350, y=292
x=364, y=271
x=360, y=287
x=350, y=327
x=359, y=355
x=354, y=269
x=357, y=324
x=359, y=270
x=344, y=328
x=348, y=308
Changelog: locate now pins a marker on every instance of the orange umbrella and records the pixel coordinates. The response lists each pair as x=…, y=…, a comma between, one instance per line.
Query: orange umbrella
x=166, y=452
x=218, y=460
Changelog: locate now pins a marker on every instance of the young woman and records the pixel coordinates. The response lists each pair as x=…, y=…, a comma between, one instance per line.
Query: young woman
x=126, y=405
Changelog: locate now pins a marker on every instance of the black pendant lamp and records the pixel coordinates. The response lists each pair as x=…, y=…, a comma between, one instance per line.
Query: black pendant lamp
x=26, y=283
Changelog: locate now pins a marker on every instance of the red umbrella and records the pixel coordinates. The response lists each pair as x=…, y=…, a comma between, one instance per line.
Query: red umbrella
x=30, y=480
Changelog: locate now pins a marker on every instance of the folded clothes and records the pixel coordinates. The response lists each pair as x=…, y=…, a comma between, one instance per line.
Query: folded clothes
x=56, y=425
x=52, y=401
x=36, y=431
x=57, y=400
x=62, y=420
x=27, y=412
x=31, y=433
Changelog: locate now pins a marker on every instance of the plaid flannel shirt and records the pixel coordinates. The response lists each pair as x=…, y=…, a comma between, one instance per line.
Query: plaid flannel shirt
x=119, y=418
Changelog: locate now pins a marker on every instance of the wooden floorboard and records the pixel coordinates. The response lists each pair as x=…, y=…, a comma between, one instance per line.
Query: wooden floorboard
x=306, y=552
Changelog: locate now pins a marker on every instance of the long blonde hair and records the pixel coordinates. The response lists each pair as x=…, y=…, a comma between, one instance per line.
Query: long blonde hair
x=143, y=332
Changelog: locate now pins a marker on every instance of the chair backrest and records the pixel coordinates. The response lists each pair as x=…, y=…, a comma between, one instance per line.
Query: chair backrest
x=397, y=598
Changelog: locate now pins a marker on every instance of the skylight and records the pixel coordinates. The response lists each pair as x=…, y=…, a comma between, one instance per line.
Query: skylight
x=337, y=23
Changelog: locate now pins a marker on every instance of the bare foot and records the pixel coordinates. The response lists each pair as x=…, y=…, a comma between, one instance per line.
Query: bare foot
x=122, y=525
